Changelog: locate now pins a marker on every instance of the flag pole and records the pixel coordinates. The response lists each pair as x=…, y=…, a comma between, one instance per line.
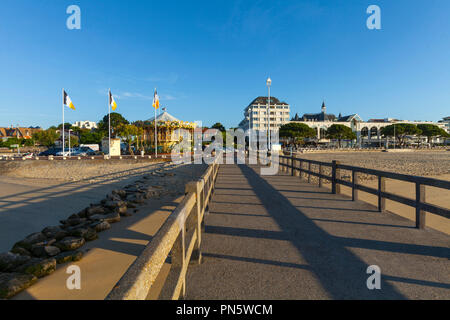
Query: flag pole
x=156, y=133
x=63, y=138
x=109, y=126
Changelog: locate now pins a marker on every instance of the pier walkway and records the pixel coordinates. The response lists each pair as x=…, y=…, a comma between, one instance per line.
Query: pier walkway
x=277, y=237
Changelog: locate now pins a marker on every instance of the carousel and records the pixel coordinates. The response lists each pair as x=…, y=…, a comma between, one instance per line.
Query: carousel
x=170, y=131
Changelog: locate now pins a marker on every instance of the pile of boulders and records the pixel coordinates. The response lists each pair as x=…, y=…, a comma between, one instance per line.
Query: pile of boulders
x=36, y=256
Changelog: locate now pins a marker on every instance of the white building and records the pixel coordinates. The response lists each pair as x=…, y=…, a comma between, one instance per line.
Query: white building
x=85, y=125
x=445, y=122
x=367, y=132
x=256, y=114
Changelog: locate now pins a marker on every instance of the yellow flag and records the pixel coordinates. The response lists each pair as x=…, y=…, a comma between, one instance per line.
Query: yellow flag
x=67, y=101
x=112, y=103
x=156, y=100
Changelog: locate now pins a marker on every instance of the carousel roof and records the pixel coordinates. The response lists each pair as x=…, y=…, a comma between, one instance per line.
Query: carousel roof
x=165, y=116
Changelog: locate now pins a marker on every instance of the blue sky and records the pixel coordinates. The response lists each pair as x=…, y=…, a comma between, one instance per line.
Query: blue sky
x=209, y=59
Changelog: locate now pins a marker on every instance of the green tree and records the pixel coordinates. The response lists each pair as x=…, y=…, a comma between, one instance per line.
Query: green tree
x=91, y=137
x=129, y=132
x=431, y=130
x=67, y=126
x=46, y=137
x=340, y=132
x=116, y=121
x=28, y=142
x=296, y=132
x=219, y=127
x=74, y=141
x=401, y=130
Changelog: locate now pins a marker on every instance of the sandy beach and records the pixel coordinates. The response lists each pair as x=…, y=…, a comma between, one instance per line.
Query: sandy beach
x=36, y=194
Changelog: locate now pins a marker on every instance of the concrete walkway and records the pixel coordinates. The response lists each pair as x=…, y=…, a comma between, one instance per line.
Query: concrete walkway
x=276, y=237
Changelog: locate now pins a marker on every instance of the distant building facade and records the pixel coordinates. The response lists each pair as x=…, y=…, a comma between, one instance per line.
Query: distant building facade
x=18, y=132
x=446, y=123
x=85, y=125
x=367, y=132
x=256, y=114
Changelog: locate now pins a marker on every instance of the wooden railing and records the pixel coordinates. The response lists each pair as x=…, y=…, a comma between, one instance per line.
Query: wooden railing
x=296, y=166
x=179, y=239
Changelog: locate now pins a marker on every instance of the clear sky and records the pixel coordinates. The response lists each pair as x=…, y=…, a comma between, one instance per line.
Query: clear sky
x=210, y=59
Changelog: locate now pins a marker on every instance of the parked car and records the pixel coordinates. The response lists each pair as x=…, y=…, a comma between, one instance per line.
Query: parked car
x=49, y=152
x=83, y=151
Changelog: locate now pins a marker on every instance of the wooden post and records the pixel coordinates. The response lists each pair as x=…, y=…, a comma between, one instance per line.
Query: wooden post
x=320, y=177
x=297, y=172
x=335, y=175
x=301, y=169
x=381, y=188
x=195, y=188
x=420, y=198
x=309, y=172
x=292, y=164
x=178, y=256
x=355, y=181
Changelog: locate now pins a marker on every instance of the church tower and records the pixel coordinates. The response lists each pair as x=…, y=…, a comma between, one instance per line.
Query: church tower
x=324, y=108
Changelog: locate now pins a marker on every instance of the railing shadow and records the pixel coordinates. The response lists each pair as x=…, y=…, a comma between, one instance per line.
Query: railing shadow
x=341, y=273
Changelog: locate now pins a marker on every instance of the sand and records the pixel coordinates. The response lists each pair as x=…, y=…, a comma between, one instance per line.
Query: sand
x=433, y=164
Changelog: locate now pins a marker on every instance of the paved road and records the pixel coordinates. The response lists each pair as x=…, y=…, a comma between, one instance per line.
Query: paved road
x=275, y=237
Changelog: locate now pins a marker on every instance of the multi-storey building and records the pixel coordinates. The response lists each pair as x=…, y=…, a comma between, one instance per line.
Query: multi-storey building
x=256, y=115
x=85, y=125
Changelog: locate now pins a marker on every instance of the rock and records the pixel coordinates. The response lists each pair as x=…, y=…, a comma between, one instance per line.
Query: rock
x=43, y=251
x=80, y=232
x=10, y=261
x=121, y=210
x=113, y=197
x=131, y=205
x=112, y=217
x=82, y=225
x=83, y=213
x=30, y=240
x=21, y=251
x=55, y=232
x=136, y=198
x=72, y=222
x=90, y=235
x=121, y=193
x=74, y=216
x=13, y=283
x=152, y=192
x=38, y=267
x=126, y=214
x=100, y=226
x=95, y=210
x=69, y=256
x=114, y=204
x=70, y=243
x=97, y=217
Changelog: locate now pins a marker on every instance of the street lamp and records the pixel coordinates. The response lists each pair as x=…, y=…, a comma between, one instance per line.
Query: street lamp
x=268, y=82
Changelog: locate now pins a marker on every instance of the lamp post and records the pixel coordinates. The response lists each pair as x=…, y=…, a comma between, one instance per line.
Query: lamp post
x=268, y=82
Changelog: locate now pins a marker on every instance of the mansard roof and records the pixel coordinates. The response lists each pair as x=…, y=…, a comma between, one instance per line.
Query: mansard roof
x=263, y=100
